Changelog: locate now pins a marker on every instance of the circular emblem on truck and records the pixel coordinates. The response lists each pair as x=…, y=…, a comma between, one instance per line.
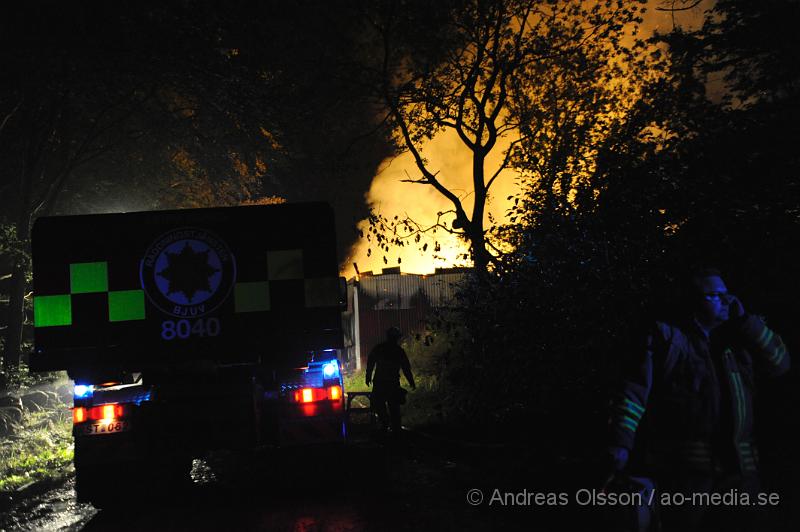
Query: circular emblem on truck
x=188, y=272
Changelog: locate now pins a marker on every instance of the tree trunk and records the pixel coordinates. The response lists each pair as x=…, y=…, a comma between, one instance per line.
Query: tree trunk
x=16, y=301
x=480, y=257
x=16, y=317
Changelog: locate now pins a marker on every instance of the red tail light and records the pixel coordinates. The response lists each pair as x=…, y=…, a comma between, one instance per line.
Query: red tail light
x=310, y=395
x=78, y=414
x=110, y=411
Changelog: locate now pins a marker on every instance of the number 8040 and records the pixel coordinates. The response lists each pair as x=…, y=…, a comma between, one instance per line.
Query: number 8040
x=183, y=329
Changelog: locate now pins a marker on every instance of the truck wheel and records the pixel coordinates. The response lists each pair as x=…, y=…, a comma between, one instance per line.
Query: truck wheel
x=94, y=485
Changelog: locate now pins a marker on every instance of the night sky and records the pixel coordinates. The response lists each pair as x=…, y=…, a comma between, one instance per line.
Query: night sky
x=184, y=105
x=193, y=104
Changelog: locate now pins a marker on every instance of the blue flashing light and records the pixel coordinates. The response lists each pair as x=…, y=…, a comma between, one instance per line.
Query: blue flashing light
x=82, y=391
x=142, y=398
x=330, y=370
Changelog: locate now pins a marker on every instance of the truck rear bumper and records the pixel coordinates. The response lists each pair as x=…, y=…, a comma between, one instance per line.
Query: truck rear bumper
x=307, y=431
x=291, y=424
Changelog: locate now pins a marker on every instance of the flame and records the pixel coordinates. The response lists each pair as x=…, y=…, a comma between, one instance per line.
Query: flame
x=390, y=196
x=445, y=153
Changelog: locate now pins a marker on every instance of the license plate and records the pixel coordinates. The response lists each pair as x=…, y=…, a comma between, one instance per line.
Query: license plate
x=107, y=427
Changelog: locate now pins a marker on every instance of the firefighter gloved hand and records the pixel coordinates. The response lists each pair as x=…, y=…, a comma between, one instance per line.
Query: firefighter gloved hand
x=619, y=457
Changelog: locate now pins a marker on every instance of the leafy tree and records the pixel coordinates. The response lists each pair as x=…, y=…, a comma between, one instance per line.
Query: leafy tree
x=227, y=108
x=69, y=103
x=754, y=46
x=52, y=129
x=682, y=177
x=485, y=70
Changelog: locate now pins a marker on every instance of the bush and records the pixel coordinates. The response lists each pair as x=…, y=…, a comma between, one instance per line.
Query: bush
x=41, y=449
x=21, y=377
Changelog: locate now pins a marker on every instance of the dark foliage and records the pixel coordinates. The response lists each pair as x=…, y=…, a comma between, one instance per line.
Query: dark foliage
x=550, y=328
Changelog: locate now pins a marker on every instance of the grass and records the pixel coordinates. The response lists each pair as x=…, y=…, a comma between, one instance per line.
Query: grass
x=41, y=450
x=426, y=406
x=423, y=406
x=354, y=382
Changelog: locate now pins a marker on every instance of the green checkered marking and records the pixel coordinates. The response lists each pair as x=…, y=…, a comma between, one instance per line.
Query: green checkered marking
x=52, y=311
x=285, y=264
x=317, y=293
x=252, y=297
x=88, y=277
x=126, y=305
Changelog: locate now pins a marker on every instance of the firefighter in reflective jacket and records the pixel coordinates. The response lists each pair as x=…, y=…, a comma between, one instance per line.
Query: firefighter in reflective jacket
x=387, y=359
x=687, y=403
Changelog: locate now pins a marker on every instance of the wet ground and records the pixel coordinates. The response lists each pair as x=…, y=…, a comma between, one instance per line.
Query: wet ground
x=56, y=509
x=419, y=483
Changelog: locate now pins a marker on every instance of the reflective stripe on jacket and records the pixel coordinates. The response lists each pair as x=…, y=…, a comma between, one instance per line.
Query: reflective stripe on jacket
x=694, y=394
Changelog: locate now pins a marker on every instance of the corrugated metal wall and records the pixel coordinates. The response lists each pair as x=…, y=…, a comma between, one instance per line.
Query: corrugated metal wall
x=393, y=299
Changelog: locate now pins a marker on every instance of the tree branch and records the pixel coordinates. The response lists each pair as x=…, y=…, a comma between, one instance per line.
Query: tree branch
x=685, y=8
x=419, y=228
x=83, y=154
x=9, y=115
x=429, y=177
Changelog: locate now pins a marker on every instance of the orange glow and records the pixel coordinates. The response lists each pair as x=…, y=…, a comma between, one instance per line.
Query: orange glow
x=450, y=160
x=334, y=392
x=108, y=411
x=310, y=409
x=311, y=395
x=390, y=196
x=78, y=414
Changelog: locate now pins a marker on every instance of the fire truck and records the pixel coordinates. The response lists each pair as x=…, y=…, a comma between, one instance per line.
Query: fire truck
x=190, y=331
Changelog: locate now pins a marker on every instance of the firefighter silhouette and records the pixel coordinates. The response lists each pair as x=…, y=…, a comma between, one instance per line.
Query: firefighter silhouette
x=685, y=411
x=387, y=359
